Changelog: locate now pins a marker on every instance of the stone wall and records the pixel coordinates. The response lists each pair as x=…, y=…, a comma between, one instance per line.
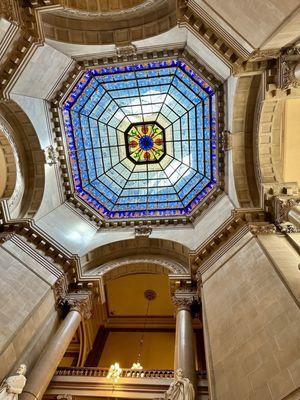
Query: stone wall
x=252, y=324
x=27, y=312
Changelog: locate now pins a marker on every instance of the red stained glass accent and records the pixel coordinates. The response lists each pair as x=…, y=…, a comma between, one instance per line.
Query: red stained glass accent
x=146, y=155
x=132, y=143
x=145, y=129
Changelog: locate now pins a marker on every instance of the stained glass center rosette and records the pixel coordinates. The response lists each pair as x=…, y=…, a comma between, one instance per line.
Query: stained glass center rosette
x=145, y=142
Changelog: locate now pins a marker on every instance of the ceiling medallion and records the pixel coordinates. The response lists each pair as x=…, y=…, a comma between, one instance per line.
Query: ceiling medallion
x=145, y=142
x=150, y=294
x=141, y=140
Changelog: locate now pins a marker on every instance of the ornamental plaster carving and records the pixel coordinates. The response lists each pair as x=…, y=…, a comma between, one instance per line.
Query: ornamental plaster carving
x=60, y=289
x=133, y=262
x=262, y=229
x=64, y=397
x=183, y=301
x=145, y=6
x=261, y=55
x=15, y=197
x=51, y=155
x=5, y=236
x=144, y=231
x=8, y=10
x=288, y=227
x=287, y=77
x=183, y=291
x=281, y=208
x=126, y=51
x=77, y=301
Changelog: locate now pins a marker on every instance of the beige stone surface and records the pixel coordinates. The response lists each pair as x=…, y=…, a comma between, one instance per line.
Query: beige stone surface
x=285, y=258
x=41, y=73
x=25, y=301
x=252, y=329
x=255, y=20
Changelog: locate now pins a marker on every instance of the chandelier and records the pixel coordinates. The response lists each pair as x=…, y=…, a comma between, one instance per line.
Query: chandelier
x=149, y=295
x=114, y=372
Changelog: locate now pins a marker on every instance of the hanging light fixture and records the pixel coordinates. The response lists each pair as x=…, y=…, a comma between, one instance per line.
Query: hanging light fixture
x=114, y=372
x=149, y=295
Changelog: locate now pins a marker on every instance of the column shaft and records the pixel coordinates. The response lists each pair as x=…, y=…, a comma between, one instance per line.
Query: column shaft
x=294, y=215
x=184, y=346
x=45, y=367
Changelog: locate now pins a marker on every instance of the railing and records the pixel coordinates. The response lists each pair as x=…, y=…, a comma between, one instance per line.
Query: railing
x=126, y=373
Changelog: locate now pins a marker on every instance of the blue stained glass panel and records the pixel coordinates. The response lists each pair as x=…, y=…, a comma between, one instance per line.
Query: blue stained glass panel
x=108, y=104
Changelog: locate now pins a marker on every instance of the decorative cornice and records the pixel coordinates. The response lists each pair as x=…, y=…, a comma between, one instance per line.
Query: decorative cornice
x=9, y=10
x=4, y=236
x=30, y=34
x=191, y=16
x=261, y=229
x=26, y=227
x=240, y=218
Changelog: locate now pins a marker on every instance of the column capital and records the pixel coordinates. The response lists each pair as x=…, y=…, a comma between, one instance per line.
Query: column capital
x=78, y=301
x=183, y=291
x=281, y=207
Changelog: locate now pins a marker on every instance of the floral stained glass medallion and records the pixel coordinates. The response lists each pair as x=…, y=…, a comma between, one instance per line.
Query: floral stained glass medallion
x=141, y=139
x=145, y=142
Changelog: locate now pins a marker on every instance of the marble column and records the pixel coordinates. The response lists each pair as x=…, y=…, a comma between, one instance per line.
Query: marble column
x=44, y=369
x=184, y=343
x=287, y=213
x=184, y=356
x=294, y=215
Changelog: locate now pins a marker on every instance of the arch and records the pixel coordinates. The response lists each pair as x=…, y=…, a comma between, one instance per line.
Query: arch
x=9, y=165
x=245, y=123
x=270, y=141
x=106, y=25
x=140, y=255
x=28, y=159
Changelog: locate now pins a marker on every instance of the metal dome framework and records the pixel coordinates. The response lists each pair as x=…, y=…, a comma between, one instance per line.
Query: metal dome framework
x=117, y=178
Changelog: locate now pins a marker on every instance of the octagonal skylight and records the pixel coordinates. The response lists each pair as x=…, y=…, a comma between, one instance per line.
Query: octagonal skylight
x=141, y=139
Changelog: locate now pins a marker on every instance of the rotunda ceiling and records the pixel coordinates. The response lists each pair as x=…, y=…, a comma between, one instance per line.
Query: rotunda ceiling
x=141, y=139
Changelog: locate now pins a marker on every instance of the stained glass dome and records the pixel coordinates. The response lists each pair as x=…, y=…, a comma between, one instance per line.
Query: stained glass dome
x=141, y=139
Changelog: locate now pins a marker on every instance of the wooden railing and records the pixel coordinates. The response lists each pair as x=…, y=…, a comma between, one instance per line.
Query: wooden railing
x=102, y=372
x=126, y=373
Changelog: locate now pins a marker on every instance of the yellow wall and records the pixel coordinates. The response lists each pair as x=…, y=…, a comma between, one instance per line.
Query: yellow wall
x=122, y=347
x=291, y=168
x=132, y=288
